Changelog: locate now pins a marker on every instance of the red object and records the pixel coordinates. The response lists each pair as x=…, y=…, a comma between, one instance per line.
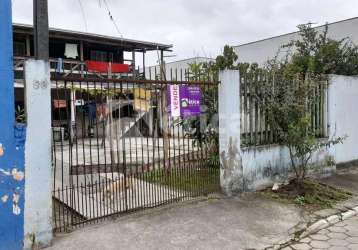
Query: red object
x=102, y=67
x=59, y=103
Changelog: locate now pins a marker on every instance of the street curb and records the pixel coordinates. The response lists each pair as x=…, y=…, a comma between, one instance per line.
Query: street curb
x=317, y=226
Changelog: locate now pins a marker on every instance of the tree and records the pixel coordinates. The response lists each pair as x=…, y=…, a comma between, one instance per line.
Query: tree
x=315, y=53
x=291, y=91
x=287, y=104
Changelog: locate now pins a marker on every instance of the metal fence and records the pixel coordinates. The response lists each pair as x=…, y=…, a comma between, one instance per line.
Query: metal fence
x=117, y=149
x=255, y=128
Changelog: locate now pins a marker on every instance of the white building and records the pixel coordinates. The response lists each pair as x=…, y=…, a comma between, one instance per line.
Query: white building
x=176, y=69
x=262, y=50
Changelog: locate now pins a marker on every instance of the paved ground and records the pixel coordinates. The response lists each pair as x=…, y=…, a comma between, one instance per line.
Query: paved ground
x=250, y=222
x=346, y=178
x=341, y=236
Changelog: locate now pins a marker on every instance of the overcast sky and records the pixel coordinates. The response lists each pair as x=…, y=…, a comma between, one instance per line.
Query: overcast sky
x=194, y=27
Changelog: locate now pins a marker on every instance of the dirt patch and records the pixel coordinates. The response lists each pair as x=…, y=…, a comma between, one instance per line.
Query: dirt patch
x=311, y=195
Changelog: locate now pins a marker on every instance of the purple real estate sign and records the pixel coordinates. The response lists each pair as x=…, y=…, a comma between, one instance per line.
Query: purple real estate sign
x=184, y=100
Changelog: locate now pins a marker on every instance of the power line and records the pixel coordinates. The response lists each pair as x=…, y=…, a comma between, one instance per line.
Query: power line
x=111, y=16
x=83, y=15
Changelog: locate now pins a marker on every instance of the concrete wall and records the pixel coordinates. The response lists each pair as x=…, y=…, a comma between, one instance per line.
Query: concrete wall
x=260, y=166
x=38, y=165
x=252, y=168
x=264, y=165
x=231, y=171
x=262, y=50
x=343, y=116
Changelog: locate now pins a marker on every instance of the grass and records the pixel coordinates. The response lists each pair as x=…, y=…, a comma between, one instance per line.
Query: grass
x=197, y=181
x=312, y=195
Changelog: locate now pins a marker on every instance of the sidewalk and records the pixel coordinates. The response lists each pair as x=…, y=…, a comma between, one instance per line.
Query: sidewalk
x=248, y=222
x=341, y=236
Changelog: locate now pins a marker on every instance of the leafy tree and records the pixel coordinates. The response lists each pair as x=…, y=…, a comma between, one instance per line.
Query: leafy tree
x=315, y=53
x=291, y=91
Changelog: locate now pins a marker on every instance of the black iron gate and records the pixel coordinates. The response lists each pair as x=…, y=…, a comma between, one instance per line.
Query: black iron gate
x=117, y=147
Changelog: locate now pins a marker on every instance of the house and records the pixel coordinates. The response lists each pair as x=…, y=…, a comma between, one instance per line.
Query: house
x=79, y=53
x=262, y=50
x=175, y=69
x=85, y=55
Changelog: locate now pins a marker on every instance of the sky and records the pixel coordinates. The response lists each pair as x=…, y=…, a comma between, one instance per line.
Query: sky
x=194, y=27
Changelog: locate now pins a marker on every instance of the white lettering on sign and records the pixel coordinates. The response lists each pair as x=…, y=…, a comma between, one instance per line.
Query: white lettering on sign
x=175, y=100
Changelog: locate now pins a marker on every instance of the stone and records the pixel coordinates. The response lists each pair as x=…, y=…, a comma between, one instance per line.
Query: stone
x=275, y=186
x=301, y=246
x=348, y=214
x=338, y=242
x=319, y=244
x=321, y=224
x=340, y=236
x=335, y=229
x=321, y=237
x=333, y=219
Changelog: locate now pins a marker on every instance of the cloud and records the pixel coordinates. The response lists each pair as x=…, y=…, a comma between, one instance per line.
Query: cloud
x=195, y=27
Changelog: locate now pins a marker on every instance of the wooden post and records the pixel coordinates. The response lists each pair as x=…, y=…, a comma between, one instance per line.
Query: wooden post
x=144, y=75
x=28, y=48
x=81, y=58
x=109, y=129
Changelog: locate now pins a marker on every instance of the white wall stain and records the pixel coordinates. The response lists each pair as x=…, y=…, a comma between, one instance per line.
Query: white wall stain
x=17, y=175
x=15, y=204
x=1, y=150
x=5, y=172
x=4, y=198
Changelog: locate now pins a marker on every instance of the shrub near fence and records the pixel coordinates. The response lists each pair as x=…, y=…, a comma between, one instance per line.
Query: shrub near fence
x=255, y=128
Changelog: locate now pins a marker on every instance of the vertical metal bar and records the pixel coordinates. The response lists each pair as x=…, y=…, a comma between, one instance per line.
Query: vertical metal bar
x=134, y=65
x=41, y=34
x=245, y=114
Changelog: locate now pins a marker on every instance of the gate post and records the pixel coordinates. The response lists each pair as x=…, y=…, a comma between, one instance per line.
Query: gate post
x=38, y=164
x=231, y=172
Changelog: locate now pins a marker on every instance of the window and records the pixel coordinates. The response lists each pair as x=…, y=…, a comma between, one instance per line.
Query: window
x=19, y=49
x=101, y=56
x=97, y=55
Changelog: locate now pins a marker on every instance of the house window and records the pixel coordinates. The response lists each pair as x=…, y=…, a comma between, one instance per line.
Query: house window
x=19, y=49
x=101, y=56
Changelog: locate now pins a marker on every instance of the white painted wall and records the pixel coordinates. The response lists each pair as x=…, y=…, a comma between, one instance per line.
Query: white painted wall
x=343, y=116
x=262, y=50
x=263, y=165
x=38, y=165
x=176, y=66
x=229, y=132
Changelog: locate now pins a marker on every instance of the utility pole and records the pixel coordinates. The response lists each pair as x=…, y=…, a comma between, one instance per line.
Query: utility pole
x=41, y=37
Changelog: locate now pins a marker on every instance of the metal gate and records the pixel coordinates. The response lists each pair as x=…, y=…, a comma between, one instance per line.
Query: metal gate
x=117, y=148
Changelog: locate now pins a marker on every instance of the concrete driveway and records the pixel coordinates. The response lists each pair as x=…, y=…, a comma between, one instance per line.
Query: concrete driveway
x=250, y=222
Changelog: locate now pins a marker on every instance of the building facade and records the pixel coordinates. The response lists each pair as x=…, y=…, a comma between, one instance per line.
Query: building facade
x=262, y=50
x=175, y=70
